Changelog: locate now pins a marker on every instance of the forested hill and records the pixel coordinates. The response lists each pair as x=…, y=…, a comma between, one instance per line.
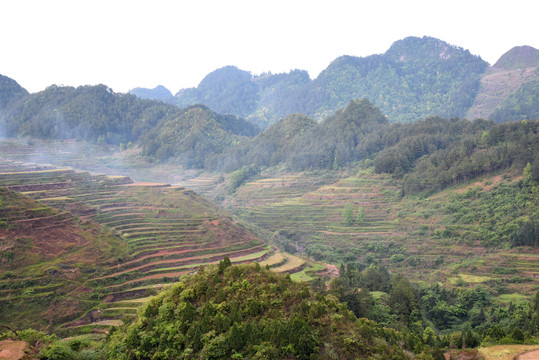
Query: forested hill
x=10, y=91
x=158, y=93
x=415, y=78
x=92, y=113
x=248, y=312
x=97, y=114
x=426, y=156
x=194, y=136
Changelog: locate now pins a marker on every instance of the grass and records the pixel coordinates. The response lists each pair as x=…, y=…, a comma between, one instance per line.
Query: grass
x=505, y=352
x=512, y=298
x=471, y=279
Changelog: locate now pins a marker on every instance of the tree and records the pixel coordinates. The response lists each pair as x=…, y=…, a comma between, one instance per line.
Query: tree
x=348, y=214
x=402, y=298
x=360, y=218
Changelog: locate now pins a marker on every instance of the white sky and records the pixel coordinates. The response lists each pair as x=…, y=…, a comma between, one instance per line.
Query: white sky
x=126, y=44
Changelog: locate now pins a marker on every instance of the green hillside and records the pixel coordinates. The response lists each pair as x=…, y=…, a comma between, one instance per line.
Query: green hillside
x=415, y=78
x=243, y=312
x=10, y=91
x=98, y=115
x=92, y=113
x=193, y=136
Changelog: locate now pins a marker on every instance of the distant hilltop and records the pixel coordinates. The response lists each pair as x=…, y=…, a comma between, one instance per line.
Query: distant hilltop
x=415, y=78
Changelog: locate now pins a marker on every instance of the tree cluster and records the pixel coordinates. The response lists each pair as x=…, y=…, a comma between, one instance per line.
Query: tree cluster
x=237, y=312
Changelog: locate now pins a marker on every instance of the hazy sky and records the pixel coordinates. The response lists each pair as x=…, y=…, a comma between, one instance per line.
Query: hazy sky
x=125, y=44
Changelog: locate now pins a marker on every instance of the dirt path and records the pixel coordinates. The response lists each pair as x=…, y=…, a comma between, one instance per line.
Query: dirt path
x=530, y=355
x=12, y=350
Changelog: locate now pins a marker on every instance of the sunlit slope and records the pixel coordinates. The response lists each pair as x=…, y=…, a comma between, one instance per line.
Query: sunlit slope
x=164, y=232
x=429, y=238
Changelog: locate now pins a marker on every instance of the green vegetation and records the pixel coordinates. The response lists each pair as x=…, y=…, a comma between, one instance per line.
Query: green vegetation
x=415, y=78
x=88, y=250
x=348, y=214
x=436, y=314
x=10, y=92
x=507, y=215
x=523, y=104
x=193, y=136
x=237, y=312
x=96, y=114
x=451, y=203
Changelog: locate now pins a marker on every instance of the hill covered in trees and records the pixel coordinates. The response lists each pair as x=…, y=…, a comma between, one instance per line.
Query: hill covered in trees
x=10, y=91
x=193, y=136
x=237, y=312
x=98, y=115
x=415, y=78
x=88, y=113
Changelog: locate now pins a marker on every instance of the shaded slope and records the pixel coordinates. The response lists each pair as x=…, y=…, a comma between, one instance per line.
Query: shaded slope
x=268, y=148
x=10, y=91
x=194, y=135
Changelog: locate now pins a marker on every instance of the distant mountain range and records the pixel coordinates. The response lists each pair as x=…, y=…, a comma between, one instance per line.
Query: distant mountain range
x=415, y=78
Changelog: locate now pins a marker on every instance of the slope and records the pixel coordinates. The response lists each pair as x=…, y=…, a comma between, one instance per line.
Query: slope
x=10, y=91
x=415, y=78
x=194, y=136
x=236, y=312
x=46, y=256
x=513, y=71
x=108, y=243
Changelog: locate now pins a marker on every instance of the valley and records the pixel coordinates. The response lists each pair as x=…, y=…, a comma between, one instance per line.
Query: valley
x=271, y=216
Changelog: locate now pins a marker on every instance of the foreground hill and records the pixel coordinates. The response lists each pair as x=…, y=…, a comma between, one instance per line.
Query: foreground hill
x=242, y=312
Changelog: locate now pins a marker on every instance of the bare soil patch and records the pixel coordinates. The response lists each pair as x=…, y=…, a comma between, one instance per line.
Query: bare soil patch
x=13, y=350
x=530, y=355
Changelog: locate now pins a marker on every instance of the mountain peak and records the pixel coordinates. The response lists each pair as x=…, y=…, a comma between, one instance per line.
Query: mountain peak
x=10, y=90
x=413, y=47
x=518, y=57
x=159, y=93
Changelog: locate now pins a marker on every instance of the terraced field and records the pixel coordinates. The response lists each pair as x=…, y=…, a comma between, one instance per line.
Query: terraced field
x=304, y=214
x=166, y=231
